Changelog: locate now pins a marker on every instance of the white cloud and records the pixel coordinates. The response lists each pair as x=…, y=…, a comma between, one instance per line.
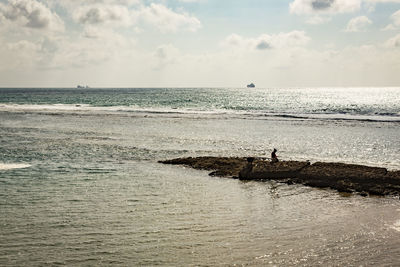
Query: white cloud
x=67, y=53
x=389, y=27
x=23, y=45
x=156, y=15
x=266, y=41
x=103, y=14
x=95, y=44
x=31, y=14
x=71, y=5
x=393, y=42
x=121, y=2
x=87, y=51
x=95, y=32
x=166, y=20
x=297, y=66
x=165, y=55
x=104, y=55
x=396, y=18
x=324, y=6
x=24, y=54
x=358, y=24
x=20, y=55
x=118, y=62
x=234, y=40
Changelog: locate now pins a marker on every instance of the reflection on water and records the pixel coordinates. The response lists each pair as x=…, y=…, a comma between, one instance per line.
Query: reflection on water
x=95, y=194
x=166, y=215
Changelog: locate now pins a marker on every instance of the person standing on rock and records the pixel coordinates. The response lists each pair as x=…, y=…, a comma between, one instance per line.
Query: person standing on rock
x=274, y=158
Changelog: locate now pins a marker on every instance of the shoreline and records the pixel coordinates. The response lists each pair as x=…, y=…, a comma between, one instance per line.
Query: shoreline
x=348, y=178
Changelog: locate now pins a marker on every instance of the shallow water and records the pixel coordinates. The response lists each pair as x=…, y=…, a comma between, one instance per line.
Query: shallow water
x=89, y=190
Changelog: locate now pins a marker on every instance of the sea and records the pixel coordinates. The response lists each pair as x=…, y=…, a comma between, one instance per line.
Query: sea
x=80, y=182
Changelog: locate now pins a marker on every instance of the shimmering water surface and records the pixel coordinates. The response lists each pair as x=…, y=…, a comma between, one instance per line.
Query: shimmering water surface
x=80, y=183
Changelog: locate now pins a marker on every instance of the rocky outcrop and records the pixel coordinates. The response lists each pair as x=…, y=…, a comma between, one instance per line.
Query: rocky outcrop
x=221, y=166
x=342, y=177
x=263, y=170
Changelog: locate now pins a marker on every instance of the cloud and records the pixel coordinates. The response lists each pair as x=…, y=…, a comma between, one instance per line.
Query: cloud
x=95, y=32
x=395, y=17
x=26, y=54
x=65, y=53
x=166, y=20
x=22, y=53
x=234, y=40
x=389, y=27
x=165, y=55
x=87, y=51
x=324, y=6
x=156, y=15
x=31, y=14
x=74, y=4
x=393, y=42
x=267, y=41
x=103, y=14
x=79, y=48
x=263, y=44
x=358, y=24
x=117, y=62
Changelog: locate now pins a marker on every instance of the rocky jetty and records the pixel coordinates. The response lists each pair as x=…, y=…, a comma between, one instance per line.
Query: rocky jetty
x=221, y=166
x=350, y=178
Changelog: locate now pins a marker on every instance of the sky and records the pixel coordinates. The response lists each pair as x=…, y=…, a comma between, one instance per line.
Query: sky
x=199, y=43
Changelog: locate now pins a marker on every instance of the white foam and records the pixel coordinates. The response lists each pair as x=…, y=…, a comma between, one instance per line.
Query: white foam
x=49, y=107
x=86, y=109
x=396, y=226
x=67, y=108
x=11, y=166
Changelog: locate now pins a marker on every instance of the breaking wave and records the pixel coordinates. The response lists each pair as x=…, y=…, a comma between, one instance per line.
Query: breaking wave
x=86, y=109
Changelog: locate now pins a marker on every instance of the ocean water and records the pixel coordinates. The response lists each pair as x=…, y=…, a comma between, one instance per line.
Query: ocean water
x=80, y=183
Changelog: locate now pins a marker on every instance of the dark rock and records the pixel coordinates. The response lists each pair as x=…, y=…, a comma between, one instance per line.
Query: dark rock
x=263, y=170
x=343, y=177
x=250, y=159
x=377, y=191
x=347, y=178
x=341, y=171
x=222, y=166
x=393, y=177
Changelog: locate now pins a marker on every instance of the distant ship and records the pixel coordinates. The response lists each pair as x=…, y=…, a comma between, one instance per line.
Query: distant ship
x=81, y=86
x=251, y=85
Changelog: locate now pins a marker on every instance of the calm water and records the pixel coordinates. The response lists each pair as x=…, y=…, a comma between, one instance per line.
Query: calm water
x=80, y=183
